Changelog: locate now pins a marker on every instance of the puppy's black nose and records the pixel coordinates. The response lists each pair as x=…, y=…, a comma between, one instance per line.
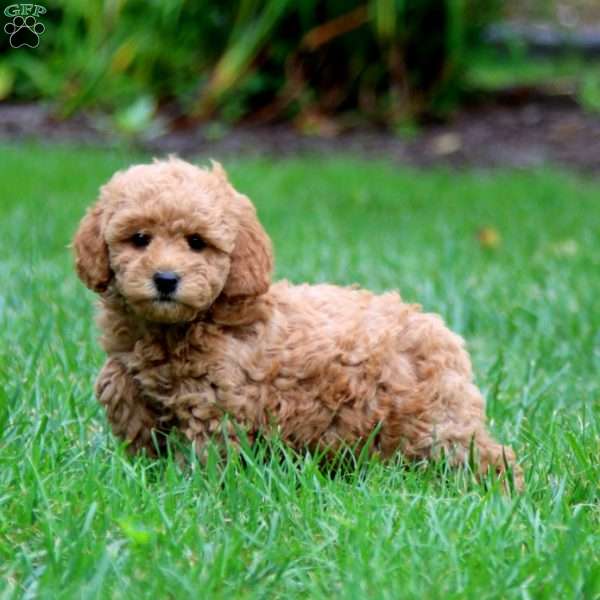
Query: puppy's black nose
x=166, y=281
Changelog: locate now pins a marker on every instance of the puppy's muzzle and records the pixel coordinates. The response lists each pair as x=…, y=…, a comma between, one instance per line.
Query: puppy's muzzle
x=166, y=283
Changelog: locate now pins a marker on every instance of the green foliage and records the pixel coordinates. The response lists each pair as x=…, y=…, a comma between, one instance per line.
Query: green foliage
x=79, y=519
x=384, y=59
x=493, y=70
x=589, y=94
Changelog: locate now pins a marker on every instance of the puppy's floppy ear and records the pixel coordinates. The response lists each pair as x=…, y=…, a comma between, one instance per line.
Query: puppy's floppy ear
x=91, y=251
x=252, y=257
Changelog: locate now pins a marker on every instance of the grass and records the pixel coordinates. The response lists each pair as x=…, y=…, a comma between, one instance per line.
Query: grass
x=79, y=519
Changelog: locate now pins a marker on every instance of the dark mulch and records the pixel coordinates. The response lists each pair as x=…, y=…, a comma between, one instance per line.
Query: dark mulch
x=523, y=128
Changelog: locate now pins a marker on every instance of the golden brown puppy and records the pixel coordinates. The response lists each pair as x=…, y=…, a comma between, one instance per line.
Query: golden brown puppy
x=194, y=330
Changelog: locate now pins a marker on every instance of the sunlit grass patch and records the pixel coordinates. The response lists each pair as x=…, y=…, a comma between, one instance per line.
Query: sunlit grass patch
x=78, y=518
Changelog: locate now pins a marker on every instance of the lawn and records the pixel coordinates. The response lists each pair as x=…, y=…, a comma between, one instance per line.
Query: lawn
x=79, y=519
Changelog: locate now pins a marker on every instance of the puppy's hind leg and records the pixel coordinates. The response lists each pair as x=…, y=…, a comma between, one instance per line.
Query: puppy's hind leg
x=463, y=435
x=131, y=419
x=497, y=458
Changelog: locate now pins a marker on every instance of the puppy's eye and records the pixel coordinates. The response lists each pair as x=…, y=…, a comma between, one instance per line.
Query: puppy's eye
x=140, y=240
x=195, y=242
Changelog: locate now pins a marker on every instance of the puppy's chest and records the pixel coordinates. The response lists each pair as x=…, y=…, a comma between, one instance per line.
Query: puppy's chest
x=163, y=374
x=183, y=378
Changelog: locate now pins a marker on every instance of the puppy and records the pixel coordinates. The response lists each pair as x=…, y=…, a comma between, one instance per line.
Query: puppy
x=194, y=331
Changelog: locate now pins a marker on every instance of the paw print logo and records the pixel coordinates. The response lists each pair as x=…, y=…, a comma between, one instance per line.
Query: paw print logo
x=24, y=31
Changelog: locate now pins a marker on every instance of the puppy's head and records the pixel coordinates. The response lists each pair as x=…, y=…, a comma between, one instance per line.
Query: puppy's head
x=170, y=238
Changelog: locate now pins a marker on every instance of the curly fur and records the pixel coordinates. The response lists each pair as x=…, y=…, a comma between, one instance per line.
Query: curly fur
x=324, y=365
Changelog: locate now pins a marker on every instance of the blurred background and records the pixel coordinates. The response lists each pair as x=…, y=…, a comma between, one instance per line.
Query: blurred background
x=460, y=81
